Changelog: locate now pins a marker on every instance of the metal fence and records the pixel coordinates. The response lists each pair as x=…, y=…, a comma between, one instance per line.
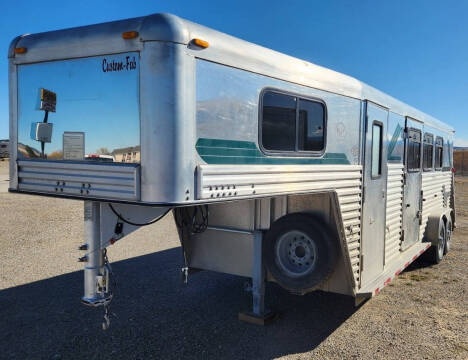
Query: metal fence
x=460, y=162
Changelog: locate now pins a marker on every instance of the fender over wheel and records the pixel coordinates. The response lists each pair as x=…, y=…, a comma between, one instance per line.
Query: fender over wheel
x=300, y=252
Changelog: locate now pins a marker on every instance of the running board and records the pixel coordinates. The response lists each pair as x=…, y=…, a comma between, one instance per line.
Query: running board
x=400, y=264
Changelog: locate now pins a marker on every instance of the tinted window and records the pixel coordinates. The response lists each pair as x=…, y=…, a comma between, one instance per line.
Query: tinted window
x=414, y=150
x=428, y=150
x=279, y=122
x=311, y=124
x=290, y=123
x=376, y=150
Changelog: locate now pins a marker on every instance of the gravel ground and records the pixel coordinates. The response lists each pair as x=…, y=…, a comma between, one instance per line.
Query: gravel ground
x=3, y=175
x=423, y=314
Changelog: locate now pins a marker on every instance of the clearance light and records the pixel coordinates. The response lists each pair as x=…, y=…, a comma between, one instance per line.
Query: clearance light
x=202, y=43
x=130, y=34
x=20, y=50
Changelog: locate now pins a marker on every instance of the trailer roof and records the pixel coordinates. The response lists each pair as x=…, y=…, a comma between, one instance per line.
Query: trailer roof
x=225, y=49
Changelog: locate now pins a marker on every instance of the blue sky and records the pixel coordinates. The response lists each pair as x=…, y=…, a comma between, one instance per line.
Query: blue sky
x=413, y=50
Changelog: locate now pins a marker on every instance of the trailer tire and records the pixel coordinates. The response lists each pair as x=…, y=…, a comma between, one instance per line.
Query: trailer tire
x=299, y=252
x=436, y=251
x=448, y=235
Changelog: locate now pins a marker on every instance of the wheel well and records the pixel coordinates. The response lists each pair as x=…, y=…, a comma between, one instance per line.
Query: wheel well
x=325, y=207
x=312, y=236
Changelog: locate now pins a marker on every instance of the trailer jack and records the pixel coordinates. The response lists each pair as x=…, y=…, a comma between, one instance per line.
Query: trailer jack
x=97, y=270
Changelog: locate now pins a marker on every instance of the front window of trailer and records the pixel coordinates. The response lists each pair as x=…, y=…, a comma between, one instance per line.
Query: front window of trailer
x=73, y=109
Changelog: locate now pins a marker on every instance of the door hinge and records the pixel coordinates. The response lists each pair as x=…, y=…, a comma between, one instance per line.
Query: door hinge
x=402, y=237
x=363, y=195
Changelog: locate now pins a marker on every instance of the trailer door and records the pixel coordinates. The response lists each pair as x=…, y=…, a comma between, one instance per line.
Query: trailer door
x=412, y=189
x=375, y=184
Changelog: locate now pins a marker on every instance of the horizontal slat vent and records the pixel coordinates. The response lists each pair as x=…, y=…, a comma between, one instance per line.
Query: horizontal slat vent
x=394, y=212
x=104, y=181
x=436, y=187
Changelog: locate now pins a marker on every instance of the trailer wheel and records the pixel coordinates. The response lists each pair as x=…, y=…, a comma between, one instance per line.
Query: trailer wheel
x=448, y=235
x=436, y=251
x=299, y=252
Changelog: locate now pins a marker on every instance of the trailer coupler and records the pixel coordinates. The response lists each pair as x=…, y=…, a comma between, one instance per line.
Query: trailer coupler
x=97, y=270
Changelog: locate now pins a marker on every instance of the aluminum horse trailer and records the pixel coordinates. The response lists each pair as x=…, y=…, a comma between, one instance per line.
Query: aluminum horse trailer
x=276, y=169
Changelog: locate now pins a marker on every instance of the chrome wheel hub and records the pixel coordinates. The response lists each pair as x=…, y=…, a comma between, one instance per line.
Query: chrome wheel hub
x=296, y=253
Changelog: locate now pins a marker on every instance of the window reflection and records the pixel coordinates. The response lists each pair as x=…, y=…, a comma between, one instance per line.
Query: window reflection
x=102, y=105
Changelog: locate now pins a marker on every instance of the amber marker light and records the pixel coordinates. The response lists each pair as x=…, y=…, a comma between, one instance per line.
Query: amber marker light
x=202, y=43
x=130, y=34
x=20, y=50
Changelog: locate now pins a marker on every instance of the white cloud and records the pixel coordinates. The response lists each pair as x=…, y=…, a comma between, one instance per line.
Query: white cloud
x=460, y=142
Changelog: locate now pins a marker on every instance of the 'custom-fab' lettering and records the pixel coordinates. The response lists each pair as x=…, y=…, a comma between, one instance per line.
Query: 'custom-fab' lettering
x=112, y=65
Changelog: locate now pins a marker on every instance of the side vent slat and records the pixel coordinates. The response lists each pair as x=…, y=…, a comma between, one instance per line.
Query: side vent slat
x=104, y=181
x=394, y=212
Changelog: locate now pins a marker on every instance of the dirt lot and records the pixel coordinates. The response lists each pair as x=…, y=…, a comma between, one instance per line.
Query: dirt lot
x=423, y=314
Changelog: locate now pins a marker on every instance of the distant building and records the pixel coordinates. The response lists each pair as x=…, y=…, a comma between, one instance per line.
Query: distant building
x=4, y=153
x=131, y=154
x=460, y=161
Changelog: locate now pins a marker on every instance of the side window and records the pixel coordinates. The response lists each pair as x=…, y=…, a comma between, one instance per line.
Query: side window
x=279, y=122
x=414, y=150
x=311, y=124
x=292, y=124
x=439, y=149
x=428, y=150
x=376, y=150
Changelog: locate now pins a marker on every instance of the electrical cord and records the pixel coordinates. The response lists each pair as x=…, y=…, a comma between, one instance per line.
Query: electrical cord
x=137, y=224
x=195, y=219
x=190, y=220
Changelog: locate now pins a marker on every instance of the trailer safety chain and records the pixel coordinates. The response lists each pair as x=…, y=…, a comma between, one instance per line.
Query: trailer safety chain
x=107, y=313
x=118, y=234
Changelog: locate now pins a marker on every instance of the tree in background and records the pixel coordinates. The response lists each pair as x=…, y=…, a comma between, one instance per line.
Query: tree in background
x=103, y=151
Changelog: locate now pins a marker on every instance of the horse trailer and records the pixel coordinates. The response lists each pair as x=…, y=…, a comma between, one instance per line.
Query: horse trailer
x=275, y=169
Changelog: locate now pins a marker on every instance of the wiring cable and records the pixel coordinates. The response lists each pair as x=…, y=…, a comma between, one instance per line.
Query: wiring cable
x=190, y=220
x=194, y=219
